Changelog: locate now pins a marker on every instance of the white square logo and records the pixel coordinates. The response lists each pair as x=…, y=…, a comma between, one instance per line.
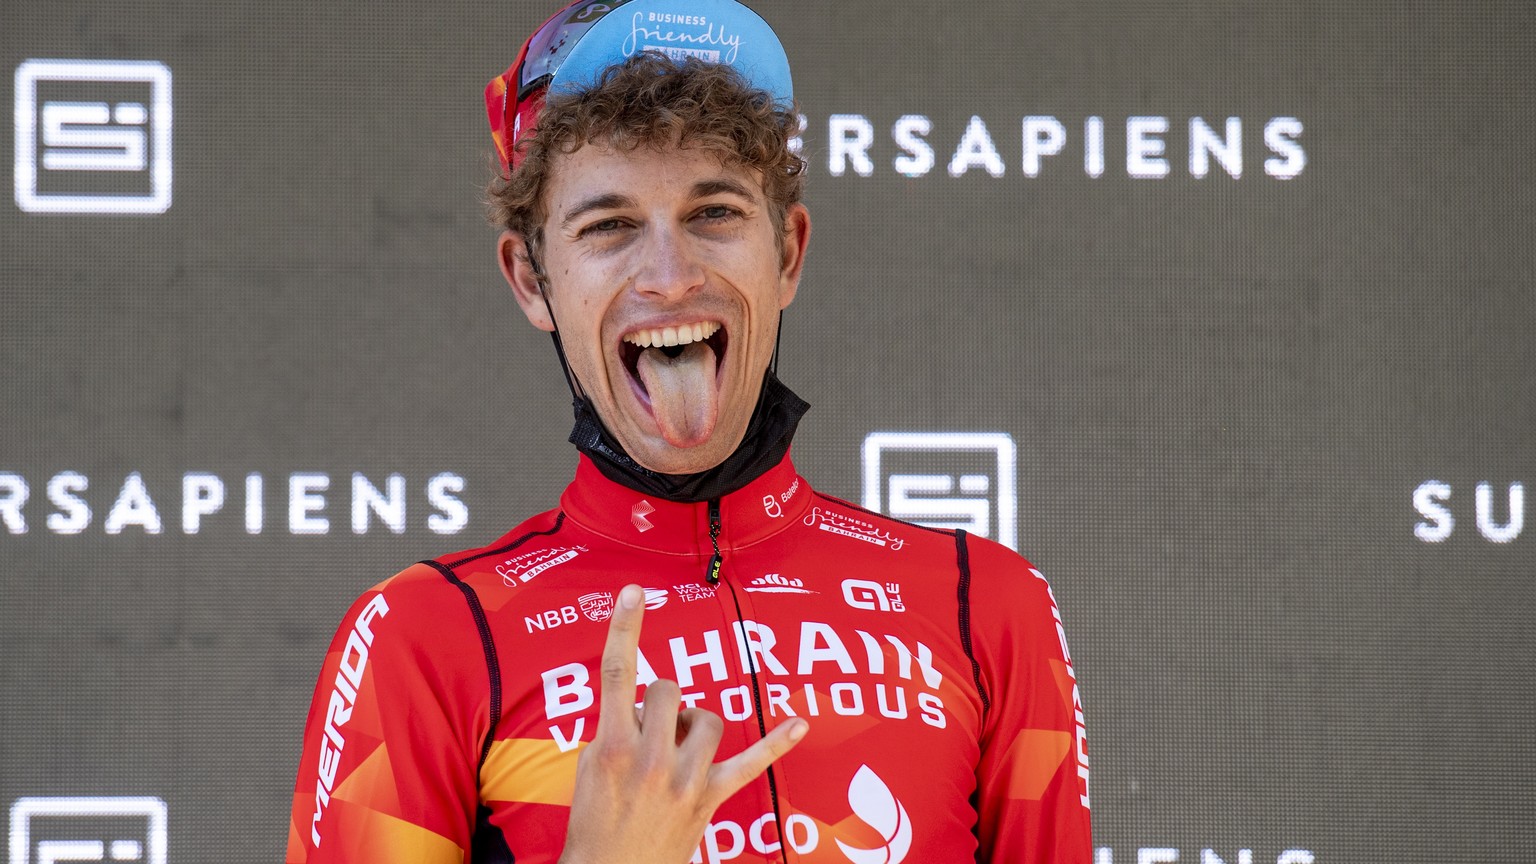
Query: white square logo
x=93, y=136
x=55, y=830
x=945, y=480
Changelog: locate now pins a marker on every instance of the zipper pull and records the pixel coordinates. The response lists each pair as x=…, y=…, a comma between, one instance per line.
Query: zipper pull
x=713, y=575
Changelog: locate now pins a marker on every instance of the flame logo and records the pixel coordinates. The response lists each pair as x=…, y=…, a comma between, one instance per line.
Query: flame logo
x=638, y=513
x=873, y=802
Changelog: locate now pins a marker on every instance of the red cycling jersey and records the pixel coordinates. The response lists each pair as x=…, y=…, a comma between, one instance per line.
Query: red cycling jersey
x=932, y=666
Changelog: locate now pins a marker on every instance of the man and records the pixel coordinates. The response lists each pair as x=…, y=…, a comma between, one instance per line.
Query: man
x=813, y=682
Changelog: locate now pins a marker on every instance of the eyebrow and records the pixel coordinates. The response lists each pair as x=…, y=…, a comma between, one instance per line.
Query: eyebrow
x=608, y=201
x=718, y=185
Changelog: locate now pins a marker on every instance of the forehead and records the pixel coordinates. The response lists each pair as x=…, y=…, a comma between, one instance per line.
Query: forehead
x=643, y=173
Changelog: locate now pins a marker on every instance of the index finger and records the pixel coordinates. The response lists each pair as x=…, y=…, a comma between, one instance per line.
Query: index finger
x=618, y=665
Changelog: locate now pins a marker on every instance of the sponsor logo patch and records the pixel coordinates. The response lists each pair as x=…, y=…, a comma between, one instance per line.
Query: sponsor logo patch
x=690, y=593
x=550, y=619
x=638, y=513
x=773, y=505
x=656, y=32
x=522, y=568
x=863, y=594
x=349, y=677
x=773, y=583
x=597, y=606
x=844, y=525
x=655, y=598
x=873, y=801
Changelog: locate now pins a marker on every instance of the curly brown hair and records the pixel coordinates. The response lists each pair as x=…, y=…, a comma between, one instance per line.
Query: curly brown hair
x=651, y=100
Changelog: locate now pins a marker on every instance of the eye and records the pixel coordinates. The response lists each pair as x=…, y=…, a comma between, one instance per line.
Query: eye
x=718, y=213
x=606, y=226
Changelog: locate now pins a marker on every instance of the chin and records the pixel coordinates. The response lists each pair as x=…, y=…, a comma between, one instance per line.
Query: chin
x=671, y=460
x=657, y=455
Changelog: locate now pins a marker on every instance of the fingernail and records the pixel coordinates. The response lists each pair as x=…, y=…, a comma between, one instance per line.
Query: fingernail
x=629, y=598
x=797, y=730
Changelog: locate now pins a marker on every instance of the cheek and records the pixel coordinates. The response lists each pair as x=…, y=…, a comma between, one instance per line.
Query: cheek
x=578, y=300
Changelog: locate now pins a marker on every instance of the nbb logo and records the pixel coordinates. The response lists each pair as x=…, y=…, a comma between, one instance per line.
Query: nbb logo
x=93, y=136
x=1144, y=147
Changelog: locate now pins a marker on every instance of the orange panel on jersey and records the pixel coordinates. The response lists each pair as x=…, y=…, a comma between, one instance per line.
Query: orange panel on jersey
x=372, y=781
x=1033, y=759
x=530, y=770
x=855, y=832
x=368, y=835
x=298, y=852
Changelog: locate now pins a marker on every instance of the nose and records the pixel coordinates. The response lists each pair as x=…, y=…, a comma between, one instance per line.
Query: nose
x=669, y=267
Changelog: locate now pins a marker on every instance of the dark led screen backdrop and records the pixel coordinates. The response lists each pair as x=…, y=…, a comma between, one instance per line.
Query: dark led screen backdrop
x=1221, y=313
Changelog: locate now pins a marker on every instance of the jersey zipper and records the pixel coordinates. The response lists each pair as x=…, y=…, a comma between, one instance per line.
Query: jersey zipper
x=713, y=578
x=712, y=575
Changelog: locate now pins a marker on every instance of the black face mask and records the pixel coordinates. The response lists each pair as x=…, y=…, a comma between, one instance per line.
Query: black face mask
x=769, y=431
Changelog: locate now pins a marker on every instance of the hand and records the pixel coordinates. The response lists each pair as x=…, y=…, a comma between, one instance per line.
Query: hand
x=647, y=785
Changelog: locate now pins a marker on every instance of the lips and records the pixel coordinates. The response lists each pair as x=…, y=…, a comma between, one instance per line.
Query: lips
x=675, y=370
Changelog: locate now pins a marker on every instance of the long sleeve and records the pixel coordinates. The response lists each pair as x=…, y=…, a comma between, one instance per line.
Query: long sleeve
x=1033, y=773
x=392, y=742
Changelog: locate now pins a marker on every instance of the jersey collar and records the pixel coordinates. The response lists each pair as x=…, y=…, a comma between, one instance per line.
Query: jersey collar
x=763, y=507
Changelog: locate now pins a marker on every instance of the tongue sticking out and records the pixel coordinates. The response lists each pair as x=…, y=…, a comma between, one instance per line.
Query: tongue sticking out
x=682, y=391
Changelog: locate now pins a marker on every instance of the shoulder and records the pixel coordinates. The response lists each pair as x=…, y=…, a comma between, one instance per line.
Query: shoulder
x=992, y=568
x=469, y=570
x=409, y=607
x=545, y=525
x=1012, y=608
x=834, y=515
x=998, y=573
x=424, y=601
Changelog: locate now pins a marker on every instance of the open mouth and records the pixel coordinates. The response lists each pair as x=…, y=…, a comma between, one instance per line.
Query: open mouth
x=671, y=344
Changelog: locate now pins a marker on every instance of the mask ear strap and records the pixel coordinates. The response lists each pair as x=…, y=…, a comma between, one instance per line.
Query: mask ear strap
x=778, y=339
x=554, y=335
x=570, y=377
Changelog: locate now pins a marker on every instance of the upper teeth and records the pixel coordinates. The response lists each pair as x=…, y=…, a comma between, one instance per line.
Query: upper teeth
x=668, y=336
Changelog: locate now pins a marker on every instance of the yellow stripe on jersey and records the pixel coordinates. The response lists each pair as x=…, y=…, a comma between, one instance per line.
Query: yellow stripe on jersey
x=529, y=770
x=379, y=838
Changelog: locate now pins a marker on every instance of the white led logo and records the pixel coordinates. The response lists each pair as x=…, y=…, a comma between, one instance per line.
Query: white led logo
x=94, y=150
x=55, y=830
x=945, y=480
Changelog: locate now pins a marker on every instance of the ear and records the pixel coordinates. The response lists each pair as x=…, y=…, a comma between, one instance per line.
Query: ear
x=517, y=268
x=797, y=235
